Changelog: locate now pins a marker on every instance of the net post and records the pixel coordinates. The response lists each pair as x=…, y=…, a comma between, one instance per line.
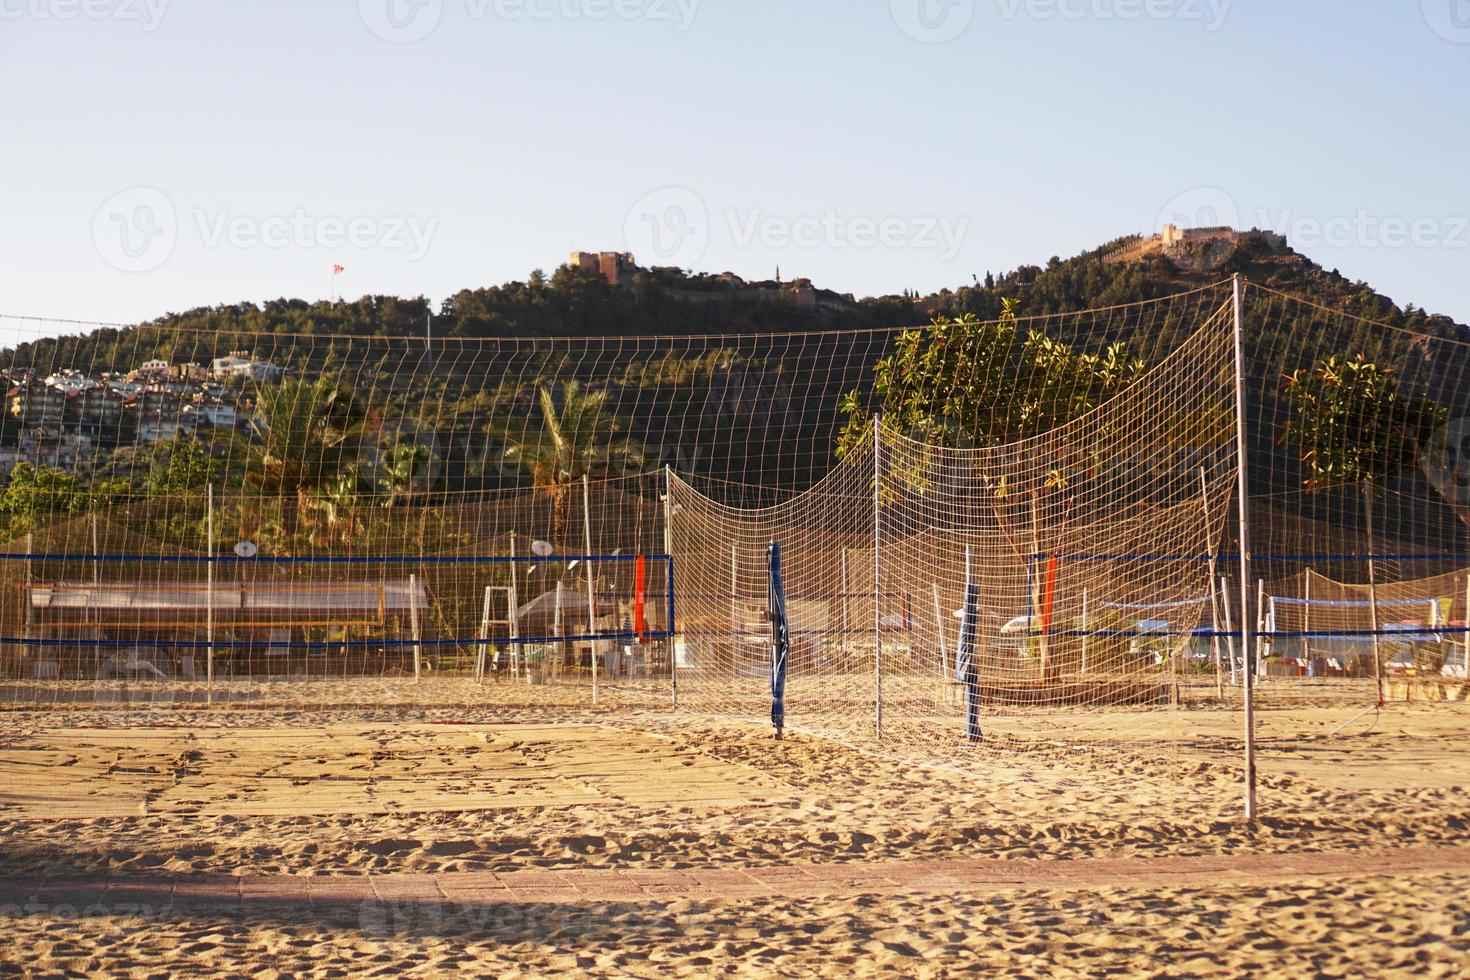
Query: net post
x=1242, y=502
x=97, y=551
x=209, y=596
x=1263, y=642
x=30, y=604
x=846, y=589
x=1373, y=591
x=734, y=591
x=1307, y=615
x=413, y=623
x=485, y=635
x=1204, y=495
x=939, y=628
x=969, y=579
x=877, y=577
x=591, y=579
x=512, y=613
x=1085, y=628
x=669, y=550
x=1224, y=585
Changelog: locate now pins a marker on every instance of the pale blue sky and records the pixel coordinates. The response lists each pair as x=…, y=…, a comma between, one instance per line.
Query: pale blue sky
x=161, y=154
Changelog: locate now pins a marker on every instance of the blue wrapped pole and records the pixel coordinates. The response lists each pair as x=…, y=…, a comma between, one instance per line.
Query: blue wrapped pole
x=780, y=636
x=967, y=670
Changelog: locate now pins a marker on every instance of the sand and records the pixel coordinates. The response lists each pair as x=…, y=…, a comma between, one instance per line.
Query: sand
x=504, y=784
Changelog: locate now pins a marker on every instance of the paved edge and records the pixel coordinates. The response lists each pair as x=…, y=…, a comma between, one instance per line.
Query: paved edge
x=118, y=894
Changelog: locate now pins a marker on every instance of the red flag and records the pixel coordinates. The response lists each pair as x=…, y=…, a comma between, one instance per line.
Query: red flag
x=337, y=270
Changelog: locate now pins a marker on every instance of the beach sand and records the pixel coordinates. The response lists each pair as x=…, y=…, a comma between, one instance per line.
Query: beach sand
x=508, y=784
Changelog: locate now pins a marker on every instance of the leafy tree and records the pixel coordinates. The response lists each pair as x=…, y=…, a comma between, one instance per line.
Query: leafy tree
x=406, y=467
x=1353, y=424
x=963, y=383
x=574, y=432
x=181, y=465
x=307, y=439
x=37, y=496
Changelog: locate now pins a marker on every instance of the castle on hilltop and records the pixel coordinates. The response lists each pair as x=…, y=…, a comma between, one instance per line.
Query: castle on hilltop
x=612, y=266
x=1175, y=241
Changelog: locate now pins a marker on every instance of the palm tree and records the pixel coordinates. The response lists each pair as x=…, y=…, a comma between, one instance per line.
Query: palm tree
x=307, y=438
x=577, y=434
x=405, y=466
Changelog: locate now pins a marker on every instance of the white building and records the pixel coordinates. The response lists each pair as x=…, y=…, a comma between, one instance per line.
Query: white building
x=214, y=414
x=239, y=364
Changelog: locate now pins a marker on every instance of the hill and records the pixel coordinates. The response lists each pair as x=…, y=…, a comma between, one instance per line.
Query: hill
x=756, y=405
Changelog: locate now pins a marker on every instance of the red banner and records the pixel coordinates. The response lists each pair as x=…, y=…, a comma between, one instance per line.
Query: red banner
x=640, y=592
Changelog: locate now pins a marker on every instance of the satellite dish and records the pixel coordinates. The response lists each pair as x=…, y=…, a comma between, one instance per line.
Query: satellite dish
x=246, y=549
x=542, y=549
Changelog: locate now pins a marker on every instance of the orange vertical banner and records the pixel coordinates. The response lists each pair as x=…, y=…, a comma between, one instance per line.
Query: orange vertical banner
x=640, y=593
x=1049, y=594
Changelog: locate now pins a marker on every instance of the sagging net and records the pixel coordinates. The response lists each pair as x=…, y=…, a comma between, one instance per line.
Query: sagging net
x=1038, y=594
x=1359, y=470
x=1323, y=628
x=1080, y=490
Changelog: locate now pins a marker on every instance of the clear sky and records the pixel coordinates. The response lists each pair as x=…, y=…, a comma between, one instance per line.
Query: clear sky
x=157, y=155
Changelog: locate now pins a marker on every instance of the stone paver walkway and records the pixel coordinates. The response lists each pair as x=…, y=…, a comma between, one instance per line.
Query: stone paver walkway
x=172, y=892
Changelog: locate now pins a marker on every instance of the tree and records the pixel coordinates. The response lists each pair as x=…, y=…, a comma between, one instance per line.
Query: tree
x=405, y=466
x=38, y=495
x=961, y=383
x=1352, y=424
x=574, y=433
x=307, y=438
x=180, y=465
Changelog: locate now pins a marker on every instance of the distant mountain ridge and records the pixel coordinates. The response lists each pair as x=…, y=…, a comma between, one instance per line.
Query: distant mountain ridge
x=578, y=301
